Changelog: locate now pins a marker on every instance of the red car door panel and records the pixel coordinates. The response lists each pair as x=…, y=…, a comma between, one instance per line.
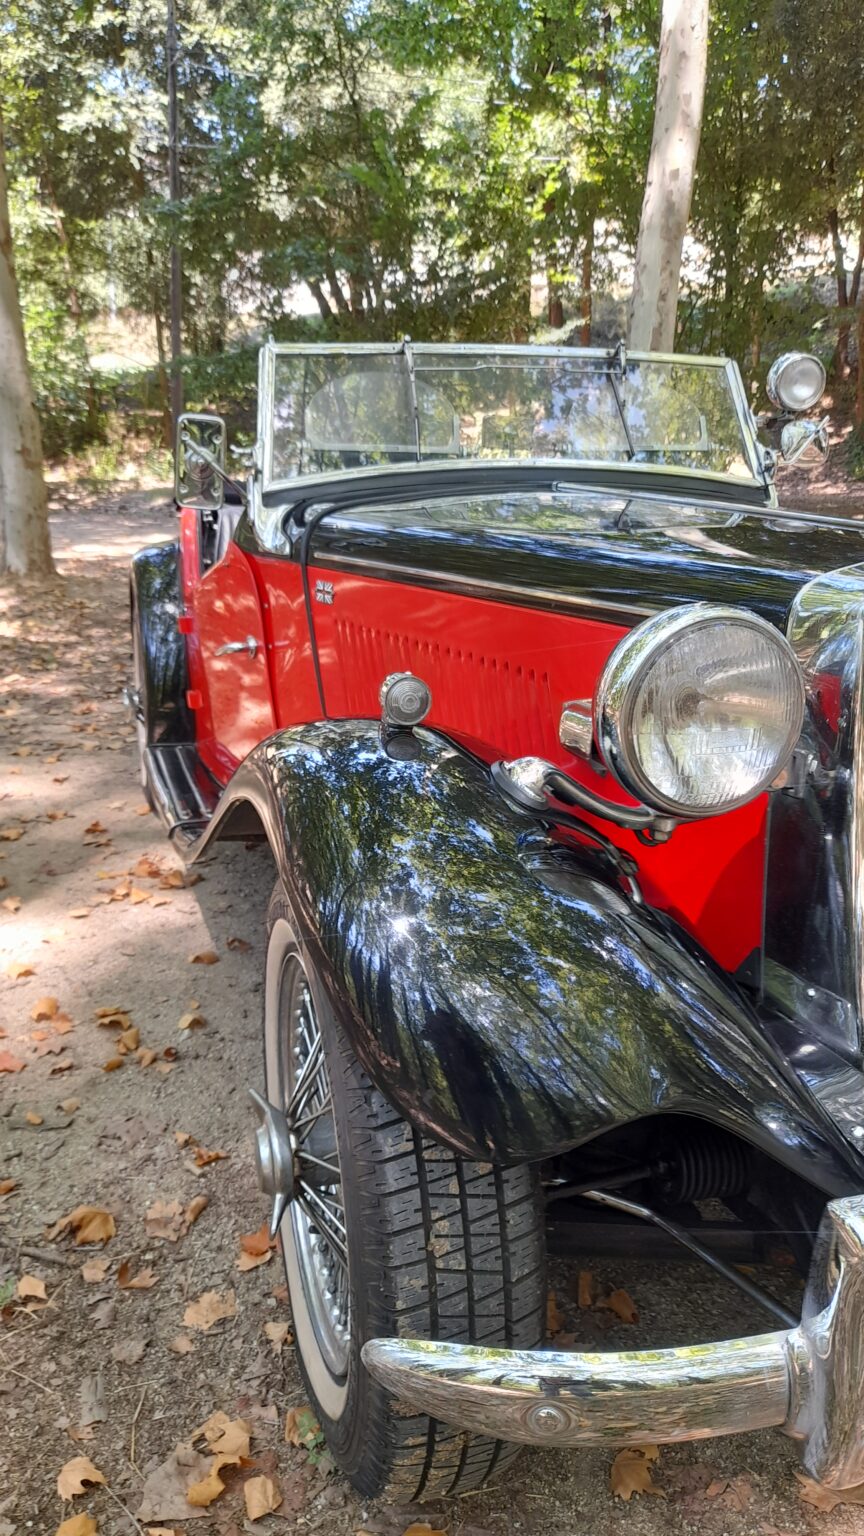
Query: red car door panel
x=239, y=700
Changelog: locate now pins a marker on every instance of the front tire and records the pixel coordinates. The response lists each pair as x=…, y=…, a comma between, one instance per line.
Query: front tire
x=411, y=1241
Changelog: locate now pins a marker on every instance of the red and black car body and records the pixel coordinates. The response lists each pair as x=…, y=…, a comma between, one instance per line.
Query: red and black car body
x=532, y=966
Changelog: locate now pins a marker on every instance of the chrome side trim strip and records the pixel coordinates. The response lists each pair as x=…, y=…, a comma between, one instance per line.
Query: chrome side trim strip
x=496, y=591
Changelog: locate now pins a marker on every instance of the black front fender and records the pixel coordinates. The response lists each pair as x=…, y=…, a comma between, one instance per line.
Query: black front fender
x=156, y=606
x=503, y=994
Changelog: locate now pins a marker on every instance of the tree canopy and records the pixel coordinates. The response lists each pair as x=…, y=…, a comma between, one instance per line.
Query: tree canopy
x=417, y=166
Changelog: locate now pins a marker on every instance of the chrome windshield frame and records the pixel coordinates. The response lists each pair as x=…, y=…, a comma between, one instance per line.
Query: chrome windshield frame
x=760, y=475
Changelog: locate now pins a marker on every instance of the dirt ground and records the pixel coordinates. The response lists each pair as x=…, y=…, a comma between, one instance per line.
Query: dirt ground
x=96, y=916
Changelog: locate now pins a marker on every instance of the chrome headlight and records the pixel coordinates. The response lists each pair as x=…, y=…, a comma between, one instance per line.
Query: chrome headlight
x=699, y=709
x=795, y=381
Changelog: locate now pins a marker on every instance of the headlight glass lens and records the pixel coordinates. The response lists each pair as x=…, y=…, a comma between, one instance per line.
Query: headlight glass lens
x=699, y=710
x=796, y=381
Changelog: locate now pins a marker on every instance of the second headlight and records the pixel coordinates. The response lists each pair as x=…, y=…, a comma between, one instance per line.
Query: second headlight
x=699, y=709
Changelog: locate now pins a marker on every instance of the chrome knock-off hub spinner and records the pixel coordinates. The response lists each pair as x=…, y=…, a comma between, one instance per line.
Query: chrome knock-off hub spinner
x=275, y=1149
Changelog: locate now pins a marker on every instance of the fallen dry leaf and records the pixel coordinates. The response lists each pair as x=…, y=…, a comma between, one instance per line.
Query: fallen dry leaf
x=225, y=1437
x=75, y=1475
x=78, y=1525
x=18, y=969
x=203, y=1493
x=258, y=1242
x=33, y=1119
x=194, y=1209
x=110, y=1018
x=129, y=1282
x=80, y=912
x=182, y=1345
x=204, y=957
x=69, y=1106
x=163, y=1496
x=240, y=946
x=13, y=904
x=192, y=1021
x=45, y=1008
x=621, y=1304
x=301, y=1426
x=730, y=1493
x=824, y=1498
x=586, y=1289
x=210, y=1308
x=554, y=1315
x=631, y=1472
x=183, y=1138
x=113, y=1064
x=128, y=1351
x=10, y=1063
x=422, y=1530
x=203, y=1158
x=262, y=1495
x=90, y=1224
x=30, y=1285
x=279, y=1334
x=95, y=1270
x=7, y=1186
x=62, y=1023
x=249, y=1261
x=129, y=1039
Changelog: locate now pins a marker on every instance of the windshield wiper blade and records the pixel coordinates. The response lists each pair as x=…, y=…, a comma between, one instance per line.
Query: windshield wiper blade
x=619, y=401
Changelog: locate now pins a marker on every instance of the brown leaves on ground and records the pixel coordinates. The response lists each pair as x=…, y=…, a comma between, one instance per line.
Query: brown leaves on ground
x=301, y=1426
x=228, y=1441
x=78, y=1525
x=171, y=1220
x=90, y=1224
x=631, y=1472
x=129, y=1282
x=76, y=1476
x=621, y=1304
x=279, y=1334
x=30, y=1287
x=192, y=1020
x=10, y=1063
x=256, y=1248
x=95, y=1270
x=16, y=970
x=204, y=957
x=827, y=1499
x=211, y=1307
x=262, y=1495
x=585, y=1294
x=203, y=1158
x=554, y=1316
x=45, y=1008
x=163, y=1496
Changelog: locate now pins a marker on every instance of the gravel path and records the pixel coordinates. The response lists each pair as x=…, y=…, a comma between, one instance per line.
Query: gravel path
x=96, y=915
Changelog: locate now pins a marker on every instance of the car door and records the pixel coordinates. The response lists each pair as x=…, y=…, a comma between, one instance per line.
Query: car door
x=233, y=653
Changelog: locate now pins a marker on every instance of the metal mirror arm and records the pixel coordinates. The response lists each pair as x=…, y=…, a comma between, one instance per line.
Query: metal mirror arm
x=204, y=456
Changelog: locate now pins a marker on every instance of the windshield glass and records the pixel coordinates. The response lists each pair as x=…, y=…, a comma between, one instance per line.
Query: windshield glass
x=335, y=410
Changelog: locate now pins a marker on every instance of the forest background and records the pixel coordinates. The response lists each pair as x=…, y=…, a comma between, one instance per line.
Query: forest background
x=447, y=169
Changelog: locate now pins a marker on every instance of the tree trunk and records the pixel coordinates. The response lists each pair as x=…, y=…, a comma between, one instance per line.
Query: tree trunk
x=25, y=544
x=859, y=391
x=587, y=283
x=671, y=169
x=840, y=360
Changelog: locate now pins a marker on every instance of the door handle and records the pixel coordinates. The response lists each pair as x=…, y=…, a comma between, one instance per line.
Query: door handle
x=250, y=645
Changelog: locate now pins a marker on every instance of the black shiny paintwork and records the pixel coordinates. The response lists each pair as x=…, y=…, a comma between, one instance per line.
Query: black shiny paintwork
x=503, y=993
x=156, y=607
x=758, y=561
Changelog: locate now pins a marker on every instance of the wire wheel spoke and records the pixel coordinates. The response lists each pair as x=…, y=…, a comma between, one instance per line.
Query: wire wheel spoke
x=318, y=1228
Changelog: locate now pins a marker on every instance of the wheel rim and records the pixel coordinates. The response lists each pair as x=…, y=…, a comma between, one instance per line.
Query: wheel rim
x=317, y=1211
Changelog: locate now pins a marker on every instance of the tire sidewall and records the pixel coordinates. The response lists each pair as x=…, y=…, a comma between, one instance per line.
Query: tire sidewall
x=339, y=1404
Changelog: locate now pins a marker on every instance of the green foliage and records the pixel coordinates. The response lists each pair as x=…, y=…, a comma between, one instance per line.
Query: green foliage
x=407, y=166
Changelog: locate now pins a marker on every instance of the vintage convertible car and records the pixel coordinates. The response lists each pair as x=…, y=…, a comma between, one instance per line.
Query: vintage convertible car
x=553, y=724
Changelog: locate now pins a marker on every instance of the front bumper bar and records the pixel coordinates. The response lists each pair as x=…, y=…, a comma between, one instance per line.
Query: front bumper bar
x=807, y=1381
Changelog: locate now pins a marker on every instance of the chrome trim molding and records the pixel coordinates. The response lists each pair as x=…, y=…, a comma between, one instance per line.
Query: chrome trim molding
x=807, y=1381
x=496, y=591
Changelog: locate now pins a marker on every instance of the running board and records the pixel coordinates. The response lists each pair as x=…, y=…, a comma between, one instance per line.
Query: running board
x=184, y=793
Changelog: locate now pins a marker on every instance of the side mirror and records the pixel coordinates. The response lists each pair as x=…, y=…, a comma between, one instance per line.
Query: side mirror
x=199, y=462
x=804, y=442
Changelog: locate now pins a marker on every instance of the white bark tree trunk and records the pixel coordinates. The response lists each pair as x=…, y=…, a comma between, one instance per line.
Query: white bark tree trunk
x=671, y=169
x=25, y=544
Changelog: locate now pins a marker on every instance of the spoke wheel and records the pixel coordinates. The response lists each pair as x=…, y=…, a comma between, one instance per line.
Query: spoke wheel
x=317, y=1212
x=383, y=1233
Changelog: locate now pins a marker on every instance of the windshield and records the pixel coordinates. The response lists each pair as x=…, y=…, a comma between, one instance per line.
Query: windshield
x=331, y=410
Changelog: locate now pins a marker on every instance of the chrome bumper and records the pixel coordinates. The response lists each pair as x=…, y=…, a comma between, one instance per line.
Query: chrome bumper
x=808, y=1381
